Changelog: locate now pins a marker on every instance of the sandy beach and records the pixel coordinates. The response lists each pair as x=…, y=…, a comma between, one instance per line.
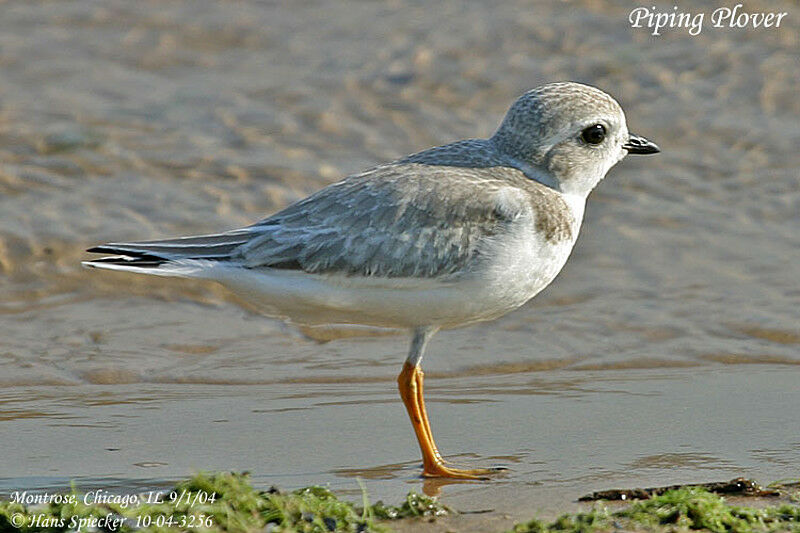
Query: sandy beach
x=667, y=351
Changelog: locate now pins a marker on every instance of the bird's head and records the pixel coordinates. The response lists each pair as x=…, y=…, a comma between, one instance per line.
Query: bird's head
x=568, y=135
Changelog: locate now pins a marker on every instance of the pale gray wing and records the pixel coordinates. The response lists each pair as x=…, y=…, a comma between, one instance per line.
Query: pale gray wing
x=399, y=220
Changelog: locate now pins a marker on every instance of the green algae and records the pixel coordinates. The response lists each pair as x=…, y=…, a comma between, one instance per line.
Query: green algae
x=214, y=503
x=226, y=502
x=683, y=509
x=415, y=505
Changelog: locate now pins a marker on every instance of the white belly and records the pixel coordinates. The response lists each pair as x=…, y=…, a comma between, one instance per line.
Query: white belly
x=511, y=273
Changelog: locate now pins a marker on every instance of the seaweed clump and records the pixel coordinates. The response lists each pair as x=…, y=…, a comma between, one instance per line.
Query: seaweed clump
x=683, y=509
x=223, y=502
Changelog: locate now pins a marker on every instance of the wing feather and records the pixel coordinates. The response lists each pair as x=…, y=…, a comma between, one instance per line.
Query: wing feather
x=398, y=220
x=403, y=220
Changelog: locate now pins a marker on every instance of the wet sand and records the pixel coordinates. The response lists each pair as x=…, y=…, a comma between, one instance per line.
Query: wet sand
x=667, y=351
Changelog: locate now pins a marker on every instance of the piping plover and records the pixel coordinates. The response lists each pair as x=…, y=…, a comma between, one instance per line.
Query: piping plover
x=445, y=237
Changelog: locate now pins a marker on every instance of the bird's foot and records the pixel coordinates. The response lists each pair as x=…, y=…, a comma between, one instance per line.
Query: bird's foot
x=443, y=470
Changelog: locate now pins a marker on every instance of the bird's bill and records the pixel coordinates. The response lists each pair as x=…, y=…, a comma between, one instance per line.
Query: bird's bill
x=639, y=145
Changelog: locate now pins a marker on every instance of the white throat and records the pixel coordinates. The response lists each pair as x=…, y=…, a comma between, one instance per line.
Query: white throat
x=577, y=204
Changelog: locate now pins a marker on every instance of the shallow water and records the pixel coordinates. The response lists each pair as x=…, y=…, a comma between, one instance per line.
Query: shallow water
x=668, y=350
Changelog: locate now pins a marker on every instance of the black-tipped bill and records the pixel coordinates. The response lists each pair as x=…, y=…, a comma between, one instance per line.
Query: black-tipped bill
x=639, y=145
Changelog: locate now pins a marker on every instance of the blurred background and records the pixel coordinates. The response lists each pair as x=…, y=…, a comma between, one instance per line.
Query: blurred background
x=666, y=351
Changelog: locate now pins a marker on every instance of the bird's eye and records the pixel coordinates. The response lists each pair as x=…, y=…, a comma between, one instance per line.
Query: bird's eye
x=594, y=134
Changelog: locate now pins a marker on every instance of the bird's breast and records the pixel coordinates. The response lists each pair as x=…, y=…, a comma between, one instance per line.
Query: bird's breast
x=519, y=264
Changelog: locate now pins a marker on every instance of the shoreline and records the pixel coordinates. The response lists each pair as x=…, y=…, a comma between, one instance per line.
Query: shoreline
x=228, y=502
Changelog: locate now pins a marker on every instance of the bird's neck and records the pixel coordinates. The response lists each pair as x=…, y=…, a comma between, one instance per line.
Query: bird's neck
x=534, y=173
x=577, y=204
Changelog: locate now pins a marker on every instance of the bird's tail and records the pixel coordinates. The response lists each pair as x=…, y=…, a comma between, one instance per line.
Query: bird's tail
x=181, y=257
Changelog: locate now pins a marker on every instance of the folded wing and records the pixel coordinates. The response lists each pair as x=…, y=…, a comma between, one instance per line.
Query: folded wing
x=400, y=220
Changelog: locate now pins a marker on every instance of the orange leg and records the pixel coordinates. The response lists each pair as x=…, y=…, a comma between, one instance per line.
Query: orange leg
x=410, y=382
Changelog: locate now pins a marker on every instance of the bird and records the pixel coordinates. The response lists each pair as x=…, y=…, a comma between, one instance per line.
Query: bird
x=449, y=236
